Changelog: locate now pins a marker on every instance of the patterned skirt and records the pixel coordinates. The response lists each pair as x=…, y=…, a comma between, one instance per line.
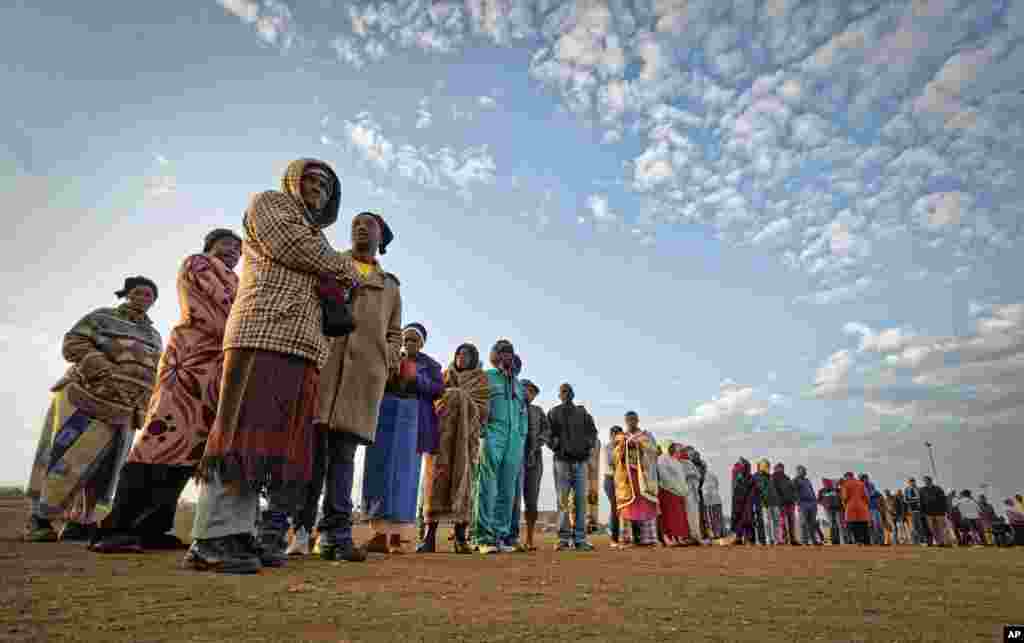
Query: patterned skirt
x=263, y=434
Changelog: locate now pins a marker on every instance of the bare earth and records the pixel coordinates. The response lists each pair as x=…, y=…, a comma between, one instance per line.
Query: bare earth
x=56, y=592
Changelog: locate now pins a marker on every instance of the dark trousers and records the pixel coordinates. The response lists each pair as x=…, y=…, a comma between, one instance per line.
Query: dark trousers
x=613, y=517
x=861, y=532
x=834, y=526
x=147, y=499
x=305, y=514
x=339, y=464
x=759, y=533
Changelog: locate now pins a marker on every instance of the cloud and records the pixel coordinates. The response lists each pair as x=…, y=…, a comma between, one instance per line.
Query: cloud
x=487, y=102
x=598, y=206
x=462, y=170
x=423, y=118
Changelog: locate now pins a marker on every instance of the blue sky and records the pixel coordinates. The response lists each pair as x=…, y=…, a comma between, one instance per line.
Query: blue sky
x=773, y=229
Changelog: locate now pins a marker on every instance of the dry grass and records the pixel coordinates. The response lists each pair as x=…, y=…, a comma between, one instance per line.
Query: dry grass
x=63, y=593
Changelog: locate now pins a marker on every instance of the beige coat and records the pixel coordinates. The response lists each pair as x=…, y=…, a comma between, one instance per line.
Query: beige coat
x=352, y=381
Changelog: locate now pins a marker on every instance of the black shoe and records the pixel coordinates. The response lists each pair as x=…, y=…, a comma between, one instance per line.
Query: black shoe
x=270, y=549
x=224, y=555
x=76, y=532
x=429, y=543
x=39, y=530
x=116, y=543
x=348, y=553
x=162, y=542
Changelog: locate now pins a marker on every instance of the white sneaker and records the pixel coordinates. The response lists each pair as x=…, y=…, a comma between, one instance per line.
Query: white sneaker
x=300, y=544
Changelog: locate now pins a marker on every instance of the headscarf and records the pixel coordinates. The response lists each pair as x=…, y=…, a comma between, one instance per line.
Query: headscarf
x=291, y=185
x=826, y=483
x=216, y=235
x=386, y=235
x=474, y=356
x=764, y=466
x=134, y=282
x=419, y=329
x=517, y=365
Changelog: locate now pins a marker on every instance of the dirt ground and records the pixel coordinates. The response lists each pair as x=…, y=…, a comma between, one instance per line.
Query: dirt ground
x=57, y=592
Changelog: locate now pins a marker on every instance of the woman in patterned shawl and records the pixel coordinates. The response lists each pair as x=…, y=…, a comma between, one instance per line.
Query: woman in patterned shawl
x=636, y=480
x=94, y=409
x=181, y=412
x=448, y=475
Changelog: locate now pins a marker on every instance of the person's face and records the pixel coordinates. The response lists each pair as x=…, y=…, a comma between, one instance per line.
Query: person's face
x=462, y=358
x=412, y=343
x=228, y=250
x=366, y=234
x=927, y=482
x=314, y=191
x=632, y=423
x=531, y=394
x=564, y=393
x=911, y=483
x=141, y=298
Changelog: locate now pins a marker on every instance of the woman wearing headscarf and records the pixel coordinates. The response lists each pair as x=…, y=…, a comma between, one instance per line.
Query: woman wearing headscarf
x=406, y=429
x=692, y=475
x=987, y=516
x=636, y=480
x=672, y=492
x=448, y=474
x=94, y=408
x=263, y=437
x=358, y=368
x=743, y=508
x=165, y=452
x=857, y=513
x=501, y=454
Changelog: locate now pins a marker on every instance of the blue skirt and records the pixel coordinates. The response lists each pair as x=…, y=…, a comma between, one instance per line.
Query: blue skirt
x=391, y=469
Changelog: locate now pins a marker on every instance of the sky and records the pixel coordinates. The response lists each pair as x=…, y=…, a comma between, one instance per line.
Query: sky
x=774, y=229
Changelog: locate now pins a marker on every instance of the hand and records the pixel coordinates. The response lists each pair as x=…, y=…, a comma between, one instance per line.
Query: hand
x=441, y=409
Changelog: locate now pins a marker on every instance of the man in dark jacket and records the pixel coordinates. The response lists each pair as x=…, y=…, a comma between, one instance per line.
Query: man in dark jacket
x=787, y=498
x=573, y=435
x=808, y=507
x=912, y=500
x=934, y=506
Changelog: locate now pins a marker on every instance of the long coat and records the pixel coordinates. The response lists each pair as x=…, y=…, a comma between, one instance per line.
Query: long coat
x=357, y=367
x=277, y=307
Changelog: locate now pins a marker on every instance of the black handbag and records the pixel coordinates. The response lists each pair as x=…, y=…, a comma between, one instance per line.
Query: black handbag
x=335, y=308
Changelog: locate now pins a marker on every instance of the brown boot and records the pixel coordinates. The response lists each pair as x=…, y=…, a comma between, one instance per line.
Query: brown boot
x=378, y=544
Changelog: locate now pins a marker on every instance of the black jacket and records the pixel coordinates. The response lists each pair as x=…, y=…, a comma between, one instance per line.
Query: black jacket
x=934, y=501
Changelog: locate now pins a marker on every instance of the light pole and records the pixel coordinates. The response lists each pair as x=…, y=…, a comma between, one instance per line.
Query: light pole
x=931, y=456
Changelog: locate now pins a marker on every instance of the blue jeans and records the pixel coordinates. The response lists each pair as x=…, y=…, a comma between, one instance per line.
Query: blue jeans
x=571, y=477
x=336, y=525
x=613, y=517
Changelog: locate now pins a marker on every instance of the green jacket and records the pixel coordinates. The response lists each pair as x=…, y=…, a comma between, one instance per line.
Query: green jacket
x=508, y=405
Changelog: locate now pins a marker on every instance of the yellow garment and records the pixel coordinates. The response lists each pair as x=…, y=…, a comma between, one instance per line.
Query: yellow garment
x=364, y=268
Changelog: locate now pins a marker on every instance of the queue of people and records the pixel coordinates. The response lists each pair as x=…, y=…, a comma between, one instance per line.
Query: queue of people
x=270, y=382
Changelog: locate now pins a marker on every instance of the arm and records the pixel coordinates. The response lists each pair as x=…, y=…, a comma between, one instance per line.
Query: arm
x=429, y=382
x=274, y=221
x=81, y=347
x=393, y=337
x=543, y=431
x=554, y=430
x=205, y=299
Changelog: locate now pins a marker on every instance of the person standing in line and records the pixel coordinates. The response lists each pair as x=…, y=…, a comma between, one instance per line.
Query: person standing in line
x=501, y=456
x=874, y=507
x=855, y=501
x=357, y=370
x=573, y=436
x=919, y=527
x=970, y=515
x=262, y=438
x=808, y=506
x=713, y=498
x=614, y=526
x=692, y=499
x=986, y=518
x=636, y=480
x=934, y=506
x=406, y=429
x=744, y=506
x=787, y=499
x=94, y=408
x=594, y=486
x=771, y=504
x=673, y=490
x=537, y=436
x=182, y=409
x=511, y=543
x=448, y=478
x=828, y=498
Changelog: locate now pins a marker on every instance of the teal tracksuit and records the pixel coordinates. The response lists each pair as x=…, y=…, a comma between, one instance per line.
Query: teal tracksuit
x=501, y=458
